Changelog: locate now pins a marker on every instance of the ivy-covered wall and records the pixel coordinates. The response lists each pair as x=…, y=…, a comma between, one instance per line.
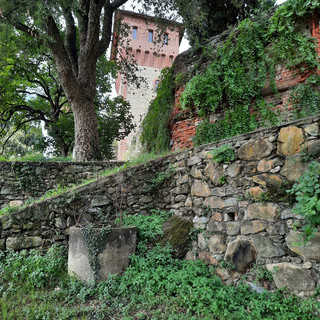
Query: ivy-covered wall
x=21, y=180
x=233, y=191
x=240, y=77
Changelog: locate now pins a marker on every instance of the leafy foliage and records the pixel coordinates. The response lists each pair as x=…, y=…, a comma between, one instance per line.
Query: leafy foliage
x=233, y=82
x=155, y=126
x=204, y=18
x=154, y=286
x=223, y=154
x=305, y=99
x=307, y=193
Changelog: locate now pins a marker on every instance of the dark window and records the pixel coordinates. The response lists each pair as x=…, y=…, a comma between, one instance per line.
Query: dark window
x=150, y=36
x=135, y=33
x=166, y=39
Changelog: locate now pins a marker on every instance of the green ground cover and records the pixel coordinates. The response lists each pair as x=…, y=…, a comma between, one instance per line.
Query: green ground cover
x=154, y=286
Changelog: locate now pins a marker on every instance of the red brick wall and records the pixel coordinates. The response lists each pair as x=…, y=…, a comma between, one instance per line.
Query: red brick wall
x=183, y=124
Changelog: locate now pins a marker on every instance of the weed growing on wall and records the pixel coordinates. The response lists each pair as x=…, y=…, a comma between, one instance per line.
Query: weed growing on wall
x=155, y=126
x=307, y=193
x=160, y=178
x=223, y=154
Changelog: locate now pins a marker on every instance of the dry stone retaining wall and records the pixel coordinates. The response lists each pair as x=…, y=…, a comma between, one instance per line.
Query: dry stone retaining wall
x=228, y=223
x=20, y=180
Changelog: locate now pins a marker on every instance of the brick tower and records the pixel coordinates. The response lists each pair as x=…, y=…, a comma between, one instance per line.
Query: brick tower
x=151, y=59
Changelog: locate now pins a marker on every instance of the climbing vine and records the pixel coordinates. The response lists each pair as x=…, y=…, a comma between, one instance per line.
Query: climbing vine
x=155, y=126
x=95, y=240
x=28, y=176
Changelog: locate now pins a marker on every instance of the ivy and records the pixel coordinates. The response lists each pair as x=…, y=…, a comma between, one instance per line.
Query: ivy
x=95, y=240
x=155, y=126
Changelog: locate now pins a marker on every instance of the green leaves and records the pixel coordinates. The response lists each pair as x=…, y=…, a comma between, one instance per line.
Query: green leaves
x=307, y=192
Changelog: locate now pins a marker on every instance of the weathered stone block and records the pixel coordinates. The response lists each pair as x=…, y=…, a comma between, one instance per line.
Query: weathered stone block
x=194, y=160
x=200, y=189
x=217, y=244
x=267, y=179
x=234, y=169
x=255, y=149
x=255, y=192
x=231, y=202
x=293, y=168
x=18, y=243
x=290, y=141
x=214, y=171
x=265, y=165
x=214, y=203
x=176, y=231
x=250, y=227
x=267, y=248
x=215, y=226
x=309, y=250
x=98, y=201
x=233, y=228
x=196, y=173
x=312, y=129
x=288, y=275
x=208, y=258
x=268, y=212
x=120, y=243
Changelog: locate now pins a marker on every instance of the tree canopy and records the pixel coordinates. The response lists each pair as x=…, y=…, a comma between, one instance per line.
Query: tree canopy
x=31, y=91
x=206, y=18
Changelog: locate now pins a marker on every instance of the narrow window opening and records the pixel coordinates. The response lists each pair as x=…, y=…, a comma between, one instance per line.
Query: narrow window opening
x=166, y=39
x=150, y=36
x=134, y=33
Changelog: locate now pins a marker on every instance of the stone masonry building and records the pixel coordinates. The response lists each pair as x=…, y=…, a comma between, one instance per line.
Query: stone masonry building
x=151, y=58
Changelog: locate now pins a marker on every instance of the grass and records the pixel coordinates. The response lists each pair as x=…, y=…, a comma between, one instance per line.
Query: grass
x=154, y=286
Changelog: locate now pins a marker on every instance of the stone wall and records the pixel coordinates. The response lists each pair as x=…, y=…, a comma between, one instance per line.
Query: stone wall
x=21, y=180
x=183, y=123
x=220, y=199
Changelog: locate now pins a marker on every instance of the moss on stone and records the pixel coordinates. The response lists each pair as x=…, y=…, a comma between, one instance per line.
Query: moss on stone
x=176, y=232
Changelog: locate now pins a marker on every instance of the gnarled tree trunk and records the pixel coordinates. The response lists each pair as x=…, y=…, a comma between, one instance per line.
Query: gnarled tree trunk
x=86, y=145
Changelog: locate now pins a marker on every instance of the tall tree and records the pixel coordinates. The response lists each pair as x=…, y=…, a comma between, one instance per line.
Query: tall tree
x=77, y=32
x=206, y=18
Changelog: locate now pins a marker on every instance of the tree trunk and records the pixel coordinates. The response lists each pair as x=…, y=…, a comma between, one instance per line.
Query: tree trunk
x=86, y=147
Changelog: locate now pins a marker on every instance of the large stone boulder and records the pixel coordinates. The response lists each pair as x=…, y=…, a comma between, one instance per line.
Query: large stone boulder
x=267, y=212
x=310, y=250
x=176, y=232
x=290, y=141
x=241, y=253
x=255, y=149
x=288, y=275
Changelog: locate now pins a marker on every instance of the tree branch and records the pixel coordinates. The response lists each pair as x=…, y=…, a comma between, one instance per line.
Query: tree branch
x=71, y=38
x=117, y=4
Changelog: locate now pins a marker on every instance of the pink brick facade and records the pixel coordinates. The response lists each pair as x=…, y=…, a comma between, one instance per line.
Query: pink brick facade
x=183, y=127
